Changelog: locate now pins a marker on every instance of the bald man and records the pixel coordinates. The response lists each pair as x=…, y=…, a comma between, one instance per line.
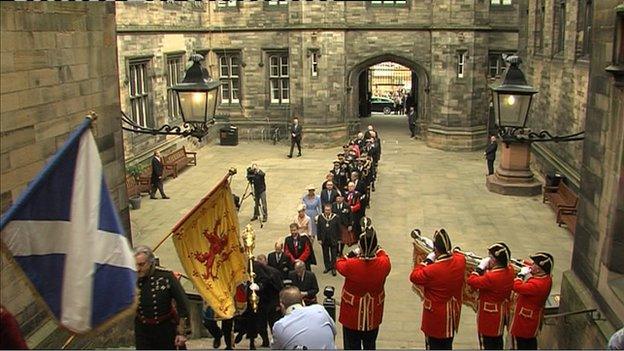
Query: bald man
x=278, y=260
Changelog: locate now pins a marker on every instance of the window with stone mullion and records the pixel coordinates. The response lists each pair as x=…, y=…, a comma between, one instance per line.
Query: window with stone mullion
x=538, y=33
x=174, y=76
x=584, y=28
x=227, y=3
x=229, y=75
x=139, y=90
x=279, y=79
x=559, y=27
x=397, y=3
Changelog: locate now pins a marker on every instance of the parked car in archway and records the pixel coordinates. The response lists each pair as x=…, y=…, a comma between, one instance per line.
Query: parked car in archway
x=382, y=104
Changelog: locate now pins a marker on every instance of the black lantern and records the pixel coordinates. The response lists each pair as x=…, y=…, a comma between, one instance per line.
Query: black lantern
x=512, y=98
x=197, y=97
x=197, y=93
x=512, y=102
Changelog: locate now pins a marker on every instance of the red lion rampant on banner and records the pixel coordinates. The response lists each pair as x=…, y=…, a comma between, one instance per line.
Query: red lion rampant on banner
x=218, y=253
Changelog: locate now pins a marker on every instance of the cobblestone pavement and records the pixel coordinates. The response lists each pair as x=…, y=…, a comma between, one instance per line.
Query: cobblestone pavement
x=418, y=187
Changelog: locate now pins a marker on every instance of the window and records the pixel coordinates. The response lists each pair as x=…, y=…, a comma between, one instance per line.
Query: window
x=229, y=75
x=174, y=76
x=140, y=90
x=584, y=26
x=277, y=2
x=559, y=26
x=461, y=64
x=397, y=3
x=500, y=2
x=538, y=33
x=278, y=76
x=496, y=64
x=227, y=3
x=314, y=63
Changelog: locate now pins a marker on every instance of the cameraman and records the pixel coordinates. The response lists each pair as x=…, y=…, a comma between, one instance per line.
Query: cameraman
x=255, y=176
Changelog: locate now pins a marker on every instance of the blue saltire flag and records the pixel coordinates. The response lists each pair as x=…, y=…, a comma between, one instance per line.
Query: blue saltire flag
x=66, y=236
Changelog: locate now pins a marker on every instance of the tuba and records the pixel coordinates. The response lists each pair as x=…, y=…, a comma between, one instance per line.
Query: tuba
x=422, y=246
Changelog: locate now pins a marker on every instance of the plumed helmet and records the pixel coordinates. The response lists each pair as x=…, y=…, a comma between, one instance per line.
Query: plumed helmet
x=441, y=241
x=500, y=251
x=544, y=260
x=368, y=239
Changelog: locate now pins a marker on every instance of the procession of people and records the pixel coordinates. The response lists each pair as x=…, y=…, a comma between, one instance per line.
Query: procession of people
x=334, y=219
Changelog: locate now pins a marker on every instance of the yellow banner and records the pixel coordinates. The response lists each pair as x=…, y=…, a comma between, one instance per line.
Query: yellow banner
x=207, y=242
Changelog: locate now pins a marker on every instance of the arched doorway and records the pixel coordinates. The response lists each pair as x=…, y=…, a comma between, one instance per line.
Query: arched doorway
x=358, y=79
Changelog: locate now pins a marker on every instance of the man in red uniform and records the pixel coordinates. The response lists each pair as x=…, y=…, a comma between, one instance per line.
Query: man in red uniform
x=493, y=278
x=533, y=287
x=297, y=247
x=361, y=309
x=441, y=275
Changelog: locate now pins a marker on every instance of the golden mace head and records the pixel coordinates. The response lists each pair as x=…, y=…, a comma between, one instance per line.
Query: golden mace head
x=249, y=238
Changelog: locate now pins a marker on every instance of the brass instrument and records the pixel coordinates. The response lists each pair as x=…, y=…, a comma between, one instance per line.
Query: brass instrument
x=249, y=243
x=423, y=246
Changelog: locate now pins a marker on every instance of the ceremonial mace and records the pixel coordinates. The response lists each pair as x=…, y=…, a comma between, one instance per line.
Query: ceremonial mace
x=249, y=242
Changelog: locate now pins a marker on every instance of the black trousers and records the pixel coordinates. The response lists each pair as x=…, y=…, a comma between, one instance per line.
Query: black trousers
x=294, y=141
x=524, y=343
x=438, y=344
x=359, y=340
x=412, y=128
x=225, y=331
x=491, y=342
x=155, y=337
x=157, y=183
x=490, y=164
x=330, y=252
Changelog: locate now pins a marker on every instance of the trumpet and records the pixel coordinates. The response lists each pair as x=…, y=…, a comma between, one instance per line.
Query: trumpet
x=249, y=242
x=422, y=246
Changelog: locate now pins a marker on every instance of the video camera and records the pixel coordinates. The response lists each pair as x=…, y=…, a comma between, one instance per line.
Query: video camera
x=251, y=174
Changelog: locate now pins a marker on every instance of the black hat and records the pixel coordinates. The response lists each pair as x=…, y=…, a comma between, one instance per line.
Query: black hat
x=441, y=241
x=501, y=253
x=544, y=260
x=368, y=242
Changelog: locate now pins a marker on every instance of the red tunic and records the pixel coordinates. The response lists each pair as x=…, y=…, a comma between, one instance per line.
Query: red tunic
x=443, y=283
x=532, y=296
x=362, y=302
x=494, y=296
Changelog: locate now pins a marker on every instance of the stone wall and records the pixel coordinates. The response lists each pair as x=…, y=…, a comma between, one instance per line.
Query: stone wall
x=58, y=62
x=596, y=279
x=561, y=104
x=349, y=36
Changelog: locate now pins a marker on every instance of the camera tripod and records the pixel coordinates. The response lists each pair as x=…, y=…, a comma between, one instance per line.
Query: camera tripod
x=251, y=191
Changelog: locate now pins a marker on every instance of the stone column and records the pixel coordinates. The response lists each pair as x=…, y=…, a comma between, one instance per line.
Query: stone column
x=513, y=175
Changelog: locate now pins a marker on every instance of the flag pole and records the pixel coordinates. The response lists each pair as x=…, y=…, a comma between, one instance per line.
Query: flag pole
x=69, y=340
x=186, y=216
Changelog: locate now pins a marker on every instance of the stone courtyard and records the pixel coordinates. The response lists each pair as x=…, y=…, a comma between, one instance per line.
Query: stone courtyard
x=418, y=187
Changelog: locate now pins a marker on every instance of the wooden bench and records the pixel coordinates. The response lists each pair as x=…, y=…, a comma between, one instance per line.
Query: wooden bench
x=564, y=202
x=178, y=160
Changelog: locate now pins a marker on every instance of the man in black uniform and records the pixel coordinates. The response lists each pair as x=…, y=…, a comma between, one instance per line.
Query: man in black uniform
x=328, y=231
x=295, y=137
x=490, y=154
x=157, y=324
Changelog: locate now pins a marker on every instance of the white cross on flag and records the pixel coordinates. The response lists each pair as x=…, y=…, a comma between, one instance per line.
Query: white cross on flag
x=65, y=234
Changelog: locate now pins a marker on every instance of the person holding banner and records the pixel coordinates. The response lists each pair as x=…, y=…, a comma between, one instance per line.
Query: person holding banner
x=441, y=275
x=493, y=278
x=155, y=324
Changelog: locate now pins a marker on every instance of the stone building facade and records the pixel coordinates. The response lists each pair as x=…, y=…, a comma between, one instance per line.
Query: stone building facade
x=556, y=49
x=281, y=59
x=583, y=89
x=57, y=64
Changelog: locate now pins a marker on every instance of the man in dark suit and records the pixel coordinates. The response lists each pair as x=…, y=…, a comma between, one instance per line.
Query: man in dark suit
x=411, y=121
x=295, y=137
x=343, y=211
x=328, y=195
x=490, y=154
x=297, y=247
x=306, y=281
x=278, y=260
x=157, y=173
x=328, y=231
x=269, y=297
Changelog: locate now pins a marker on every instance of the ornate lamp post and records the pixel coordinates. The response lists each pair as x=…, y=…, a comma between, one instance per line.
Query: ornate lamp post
x=197, y=97
x=512, y=102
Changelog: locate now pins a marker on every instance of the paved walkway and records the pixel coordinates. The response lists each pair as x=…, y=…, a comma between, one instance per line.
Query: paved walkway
x=418, y=187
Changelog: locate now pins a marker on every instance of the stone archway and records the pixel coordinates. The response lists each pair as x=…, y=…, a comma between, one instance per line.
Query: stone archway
x=353, y=75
